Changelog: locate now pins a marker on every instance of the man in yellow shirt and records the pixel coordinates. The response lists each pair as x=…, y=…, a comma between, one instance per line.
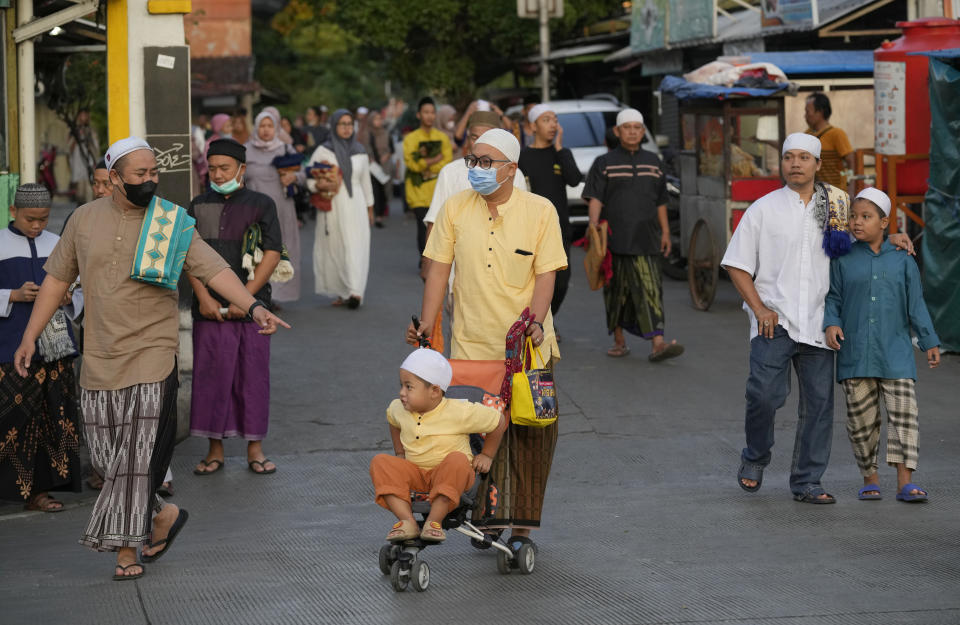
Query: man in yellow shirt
x=836, y=152
x=425, y=151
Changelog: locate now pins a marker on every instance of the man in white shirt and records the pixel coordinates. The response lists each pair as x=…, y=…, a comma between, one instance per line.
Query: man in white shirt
x=777, y=262
x=453, y=177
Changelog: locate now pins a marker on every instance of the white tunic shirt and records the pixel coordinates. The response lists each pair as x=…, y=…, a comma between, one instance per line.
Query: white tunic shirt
x=779, y=243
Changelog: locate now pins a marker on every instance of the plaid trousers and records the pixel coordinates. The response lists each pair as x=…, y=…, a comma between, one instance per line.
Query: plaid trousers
x=863, y=421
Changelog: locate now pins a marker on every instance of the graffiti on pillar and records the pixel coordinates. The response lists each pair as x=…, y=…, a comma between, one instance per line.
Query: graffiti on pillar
x=174, y=156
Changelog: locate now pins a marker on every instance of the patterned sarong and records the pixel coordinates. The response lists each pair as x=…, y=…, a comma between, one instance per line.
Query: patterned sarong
x=39, y=436
x=634, y=296
x=164, y=240
x=131, y=433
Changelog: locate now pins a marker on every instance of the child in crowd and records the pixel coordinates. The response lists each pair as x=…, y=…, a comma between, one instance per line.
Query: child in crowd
x=431, y=442
x=875, y=299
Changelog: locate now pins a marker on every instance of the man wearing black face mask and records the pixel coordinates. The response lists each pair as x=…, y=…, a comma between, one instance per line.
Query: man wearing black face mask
x=117, y=247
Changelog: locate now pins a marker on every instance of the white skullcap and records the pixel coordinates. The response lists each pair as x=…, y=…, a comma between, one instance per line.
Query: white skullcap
x=627, y=116
x=362, y=110
x=802, y=141
x=878, y=197
x=430, y=366
x=123, y=147
x=503, y=141
x=539, y=110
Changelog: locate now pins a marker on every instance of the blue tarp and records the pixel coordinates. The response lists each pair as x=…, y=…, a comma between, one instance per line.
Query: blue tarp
x=683, y=90
x=818, y=61
x=950, y=53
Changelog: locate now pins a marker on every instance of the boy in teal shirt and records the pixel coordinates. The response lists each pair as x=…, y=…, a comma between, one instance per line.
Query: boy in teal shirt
x=875, y=299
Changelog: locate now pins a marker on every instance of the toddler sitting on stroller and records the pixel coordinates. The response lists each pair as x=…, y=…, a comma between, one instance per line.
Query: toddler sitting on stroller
x=431, y=442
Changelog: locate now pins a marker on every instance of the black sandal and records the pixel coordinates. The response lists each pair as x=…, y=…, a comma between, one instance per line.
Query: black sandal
x=262, y=463
x=168, y=541
x=207, y=464
x=122, y=577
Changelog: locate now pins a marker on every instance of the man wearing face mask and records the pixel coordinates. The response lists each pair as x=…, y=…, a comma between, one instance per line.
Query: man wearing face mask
x=508, y=249
x=233, y=398
x=128, y=251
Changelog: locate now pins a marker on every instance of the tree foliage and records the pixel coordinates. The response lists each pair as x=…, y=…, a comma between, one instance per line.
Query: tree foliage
x=447, y=47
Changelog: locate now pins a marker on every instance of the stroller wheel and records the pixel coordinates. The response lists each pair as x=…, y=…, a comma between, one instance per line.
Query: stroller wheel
x=503, y=563
x=526, y=558
x=398, y=578
x=420, y=575
x=386, y=559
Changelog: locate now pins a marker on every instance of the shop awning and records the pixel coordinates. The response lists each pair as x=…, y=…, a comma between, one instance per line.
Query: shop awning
x=818, y=61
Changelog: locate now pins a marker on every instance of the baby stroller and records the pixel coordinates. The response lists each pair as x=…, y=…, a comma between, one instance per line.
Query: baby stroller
x=477, y=381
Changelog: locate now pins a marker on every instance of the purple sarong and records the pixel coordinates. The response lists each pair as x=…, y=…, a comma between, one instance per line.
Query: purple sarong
x=231, y=380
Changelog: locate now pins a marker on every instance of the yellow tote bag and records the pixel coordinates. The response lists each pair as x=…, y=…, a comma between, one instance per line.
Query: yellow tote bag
x=534, y=401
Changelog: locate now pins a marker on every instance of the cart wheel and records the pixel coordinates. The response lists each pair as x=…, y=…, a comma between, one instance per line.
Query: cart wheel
x=386, y=559
x=398, y=581
x=420, y=575
x=703, y=268
x=503, y=563
x=526, y=558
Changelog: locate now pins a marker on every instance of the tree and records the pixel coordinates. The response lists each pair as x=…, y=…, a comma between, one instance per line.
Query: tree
x=447, y=47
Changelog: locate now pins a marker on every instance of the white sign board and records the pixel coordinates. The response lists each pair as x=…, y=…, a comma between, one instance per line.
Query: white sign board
x=889, y=98
x=531, y=8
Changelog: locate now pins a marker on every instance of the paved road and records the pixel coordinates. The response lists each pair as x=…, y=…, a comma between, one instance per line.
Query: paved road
x=644, y=522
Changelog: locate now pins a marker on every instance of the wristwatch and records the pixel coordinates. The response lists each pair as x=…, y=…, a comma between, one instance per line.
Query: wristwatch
x=256, y=303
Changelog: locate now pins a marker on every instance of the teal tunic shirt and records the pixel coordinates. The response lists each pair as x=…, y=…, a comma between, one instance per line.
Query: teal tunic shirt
x=876, y=299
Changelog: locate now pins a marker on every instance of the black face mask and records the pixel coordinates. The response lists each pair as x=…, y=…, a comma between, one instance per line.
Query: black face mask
x=140, y=194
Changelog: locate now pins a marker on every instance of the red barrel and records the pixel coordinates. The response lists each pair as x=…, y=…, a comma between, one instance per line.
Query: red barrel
x=902, y=100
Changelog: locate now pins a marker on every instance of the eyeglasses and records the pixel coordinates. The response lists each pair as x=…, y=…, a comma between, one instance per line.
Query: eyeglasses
x=485, y=162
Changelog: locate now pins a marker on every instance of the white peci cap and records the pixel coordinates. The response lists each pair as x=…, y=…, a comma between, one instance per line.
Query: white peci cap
x=430, y=366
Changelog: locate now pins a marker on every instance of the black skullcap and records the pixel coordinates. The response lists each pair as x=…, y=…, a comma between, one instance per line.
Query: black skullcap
x=32, y=195
x=227, y=147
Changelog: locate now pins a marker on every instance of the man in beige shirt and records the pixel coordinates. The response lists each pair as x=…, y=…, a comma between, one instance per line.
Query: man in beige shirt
x=129, y=377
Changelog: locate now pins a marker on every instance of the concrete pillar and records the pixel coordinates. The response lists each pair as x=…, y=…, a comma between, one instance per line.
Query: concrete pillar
x=28, y=134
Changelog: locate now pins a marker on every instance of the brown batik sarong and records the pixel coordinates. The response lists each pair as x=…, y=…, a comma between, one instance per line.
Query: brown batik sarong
x=39, y=433
x=131, y=434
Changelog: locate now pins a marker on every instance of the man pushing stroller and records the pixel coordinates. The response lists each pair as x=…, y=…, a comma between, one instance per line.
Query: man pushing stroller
x=431, y=443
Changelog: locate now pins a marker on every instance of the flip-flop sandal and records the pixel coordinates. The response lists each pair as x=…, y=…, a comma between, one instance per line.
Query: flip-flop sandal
x=750, y=471
x=670, y=351
x=353, y=302
x=813, y=496
x=264, y=470
x=337, y=302
x=123, y=578
x=402, y=531
x=166, y=489
x=870, y=492
x=906, y=496
x=208, y=464
x=46, y=503
x=433, y=533
x=168, y=541
x=618, y=351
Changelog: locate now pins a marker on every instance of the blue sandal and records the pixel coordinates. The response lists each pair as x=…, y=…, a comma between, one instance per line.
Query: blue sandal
x=750, y=471
x=863, y=496
x=906, y=496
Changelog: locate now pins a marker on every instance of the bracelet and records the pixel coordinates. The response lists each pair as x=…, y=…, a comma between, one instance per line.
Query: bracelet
x=256, y=304
x=538, y=323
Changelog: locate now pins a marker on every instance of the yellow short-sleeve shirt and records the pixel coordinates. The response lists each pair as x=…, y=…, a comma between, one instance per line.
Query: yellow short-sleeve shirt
x=430, y=437
x=497, y=263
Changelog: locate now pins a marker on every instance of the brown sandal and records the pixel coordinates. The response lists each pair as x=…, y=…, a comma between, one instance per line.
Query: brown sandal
x=43, y=502
x=433, y=532
x=618, y=351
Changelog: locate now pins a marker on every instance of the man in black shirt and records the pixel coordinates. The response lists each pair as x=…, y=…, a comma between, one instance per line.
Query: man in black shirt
x=551, y=169
x=626, y=187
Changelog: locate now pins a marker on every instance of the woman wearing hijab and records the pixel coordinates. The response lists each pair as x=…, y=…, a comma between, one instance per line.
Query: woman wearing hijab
x=341, y=252
x=380, y=151
x=262, y=175
x=221, y=127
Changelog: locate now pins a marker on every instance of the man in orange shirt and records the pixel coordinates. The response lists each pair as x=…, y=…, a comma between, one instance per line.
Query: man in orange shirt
x=837, y=153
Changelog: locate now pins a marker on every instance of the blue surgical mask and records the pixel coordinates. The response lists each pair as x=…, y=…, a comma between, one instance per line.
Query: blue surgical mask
x=227, y=188
x=483, y=181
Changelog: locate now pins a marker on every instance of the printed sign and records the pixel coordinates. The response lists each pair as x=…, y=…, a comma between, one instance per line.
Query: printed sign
x=692, y=19
x=647, y=25
x=889, y=98
x=788, y=12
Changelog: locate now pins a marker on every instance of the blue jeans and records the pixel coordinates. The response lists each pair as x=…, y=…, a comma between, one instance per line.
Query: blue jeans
x=767, y=390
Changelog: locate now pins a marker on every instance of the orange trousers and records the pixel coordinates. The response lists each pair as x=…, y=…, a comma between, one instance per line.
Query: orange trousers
x=398, y=476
